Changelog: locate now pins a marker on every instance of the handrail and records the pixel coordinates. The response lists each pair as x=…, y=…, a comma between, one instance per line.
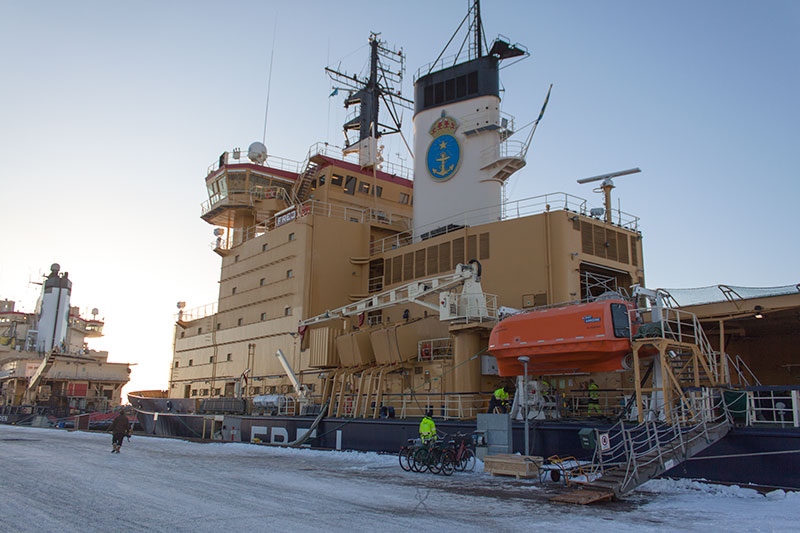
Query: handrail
x=524, y=207
x=635, y=448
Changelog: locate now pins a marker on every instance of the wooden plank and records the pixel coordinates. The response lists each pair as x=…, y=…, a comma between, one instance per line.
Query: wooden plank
x=583, y=496
x=519, y=466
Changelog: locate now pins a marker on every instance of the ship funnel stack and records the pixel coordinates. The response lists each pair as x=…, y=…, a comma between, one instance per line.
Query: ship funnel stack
x=54, y=315
x=462, y=155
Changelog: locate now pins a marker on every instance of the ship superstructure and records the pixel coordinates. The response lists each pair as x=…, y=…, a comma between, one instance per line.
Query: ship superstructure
x=300, y=238
x=46, y=364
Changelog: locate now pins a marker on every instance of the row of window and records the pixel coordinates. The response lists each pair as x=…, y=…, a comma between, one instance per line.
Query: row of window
x=210, y=360
x=262, y=281
x=287, y=311
x=350, y=184
x=265, y=246
x=452, y=89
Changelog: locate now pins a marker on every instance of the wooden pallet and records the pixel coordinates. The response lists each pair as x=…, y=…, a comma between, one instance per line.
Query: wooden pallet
x=519, y=466
x=584, y=496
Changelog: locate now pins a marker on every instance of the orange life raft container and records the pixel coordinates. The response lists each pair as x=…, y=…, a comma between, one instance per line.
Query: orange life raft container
x=589, y=337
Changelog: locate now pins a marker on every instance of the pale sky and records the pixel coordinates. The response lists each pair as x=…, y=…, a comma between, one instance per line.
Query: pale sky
x=110, y=114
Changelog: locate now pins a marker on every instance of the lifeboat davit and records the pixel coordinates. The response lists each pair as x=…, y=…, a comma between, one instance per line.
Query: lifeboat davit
x=588, y=337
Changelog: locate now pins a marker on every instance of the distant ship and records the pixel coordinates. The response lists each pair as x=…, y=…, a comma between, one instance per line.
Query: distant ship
x=353, y=298
x=48, y=373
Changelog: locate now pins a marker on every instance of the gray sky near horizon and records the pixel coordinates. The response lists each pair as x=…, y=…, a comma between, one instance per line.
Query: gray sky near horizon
x=110, y=114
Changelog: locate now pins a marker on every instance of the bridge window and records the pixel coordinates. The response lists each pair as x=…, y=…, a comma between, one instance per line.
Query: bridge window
x=350, y=185
x=619, y=317
x=336, y=180
x=363, y=187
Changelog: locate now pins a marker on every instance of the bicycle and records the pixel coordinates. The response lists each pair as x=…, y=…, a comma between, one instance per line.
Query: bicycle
x=462, y=452
x=406, y=454
x=433, y=456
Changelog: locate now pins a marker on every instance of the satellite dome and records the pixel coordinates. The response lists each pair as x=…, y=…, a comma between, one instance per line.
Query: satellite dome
x=219, y=232
x=257, y=152
x=55, y=267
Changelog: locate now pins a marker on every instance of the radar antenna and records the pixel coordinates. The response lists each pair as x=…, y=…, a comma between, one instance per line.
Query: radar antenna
x=607, y=185
x=386, y=69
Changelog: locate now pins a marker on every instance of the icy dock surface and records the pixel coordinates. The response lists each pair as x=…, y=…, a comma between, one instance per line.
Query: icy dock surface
x=53, y=480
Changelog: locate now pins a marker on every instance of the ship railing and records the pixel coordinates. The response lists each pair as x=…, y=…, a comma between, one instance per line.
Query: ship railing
x=744, y=373
x=507, y=211
x=375, y=284
x=312, y=207
x=447, y=406
x=488, y=118
x=772, y=406
x=337, y=152
x=577, y=403
x=433, y=66
x=196, y=313
x=247, y=197
x=681, y=327
x=503, y=150
x=236, y=157
x=472, y=308
x=636, y=447
x=435, y=349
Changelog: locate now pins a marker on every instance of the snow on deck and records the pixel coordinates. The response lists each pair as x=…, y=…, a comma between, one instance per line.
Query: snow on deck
x=56, y=480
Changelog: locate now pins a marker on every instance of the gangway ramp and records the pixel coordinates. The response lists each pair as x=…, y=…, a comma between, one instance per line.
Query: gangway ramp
x=628, y=456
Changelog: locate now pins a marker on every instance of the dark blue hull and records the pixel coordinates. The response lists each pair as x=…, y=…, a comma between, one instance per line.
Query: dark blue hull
x=746, y=455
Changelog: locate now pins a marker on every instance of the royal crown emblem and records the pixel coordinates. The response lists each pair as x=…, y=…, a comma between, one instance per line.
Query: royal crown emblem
x=444, y=152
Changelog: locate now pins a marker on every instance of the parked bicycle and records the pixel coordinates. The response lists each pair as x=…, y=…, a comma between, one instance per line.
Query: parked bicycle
x=462, y=451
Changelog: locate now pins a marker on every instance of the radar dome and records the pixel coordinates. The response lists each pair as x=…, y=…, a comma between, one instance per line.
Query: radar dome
x=219, y=232
x=257, y=152
x=55, y=267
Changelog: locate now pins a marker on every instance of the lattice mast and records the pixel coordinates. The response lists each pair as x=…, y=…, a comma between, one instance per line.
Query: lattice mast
x=383, y=83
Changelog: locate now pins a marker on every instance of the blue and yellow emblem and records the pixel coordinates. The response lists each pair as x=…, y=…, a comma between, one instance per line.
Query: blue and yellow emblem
x=444, y=152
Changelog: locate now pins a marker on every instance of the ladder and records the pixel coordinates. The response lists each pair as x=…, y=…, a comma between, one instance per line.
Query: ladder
x=302, y=186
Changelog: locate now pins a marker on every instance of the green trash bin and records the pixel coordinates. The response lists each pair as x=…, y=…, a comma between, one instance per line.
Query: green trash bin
x=736, y=402
x=588, y=439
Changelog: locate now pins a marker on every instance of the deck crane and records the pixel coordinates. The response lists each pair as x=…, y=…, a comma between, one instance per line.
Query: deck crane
x=471, y=303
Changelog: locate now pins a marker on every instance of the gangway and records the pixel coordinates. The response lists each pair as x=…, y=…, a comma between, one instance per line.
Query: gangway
x=626, y=457
x=44, y=367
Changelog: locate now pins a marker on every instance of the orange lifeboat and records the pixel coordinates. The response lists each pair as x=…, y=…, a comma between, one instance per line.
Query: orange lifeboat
x=589, y=337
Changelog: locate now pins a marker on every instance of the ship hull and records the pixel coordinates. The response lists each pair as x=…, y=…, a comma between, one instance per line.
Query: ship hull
x=745, y=456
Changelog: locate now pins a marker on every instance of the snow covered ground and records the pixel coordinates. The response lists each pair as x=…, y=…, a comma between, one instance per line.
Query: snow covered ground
x=55, y=480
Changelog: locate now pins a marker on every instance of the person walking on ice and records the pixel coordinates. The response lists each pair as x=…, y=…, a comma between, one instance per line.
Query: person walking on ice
x=119, y=428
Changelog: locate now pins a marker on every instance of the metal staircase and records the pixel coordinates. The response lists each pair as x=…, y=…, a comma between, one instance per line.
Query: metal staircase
x=302, y=186
x=40, y=373
x=626, y=457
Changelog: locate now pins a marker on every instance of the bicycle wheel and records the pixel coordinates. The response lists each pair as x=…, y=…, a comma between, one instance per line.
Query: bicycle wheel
x=467, y=462
x=447, y=462
x=434, y=462
x=405, y=457
x=420, y=460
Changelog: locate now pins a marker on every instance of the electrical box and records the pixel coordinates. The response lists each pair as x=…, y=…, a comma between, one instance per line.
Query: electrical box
x=587, y=437
x=488, y=365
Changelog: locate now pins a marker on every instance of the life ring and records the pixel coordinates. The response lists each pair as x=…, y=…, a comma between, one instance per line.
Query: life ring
x=426, y=351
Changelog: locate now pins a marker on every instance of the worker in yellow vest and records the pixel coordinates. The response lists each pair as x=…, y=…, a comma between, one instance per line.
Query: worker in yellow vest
x=499, y=400
x=594, y=398
x=427, y=428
